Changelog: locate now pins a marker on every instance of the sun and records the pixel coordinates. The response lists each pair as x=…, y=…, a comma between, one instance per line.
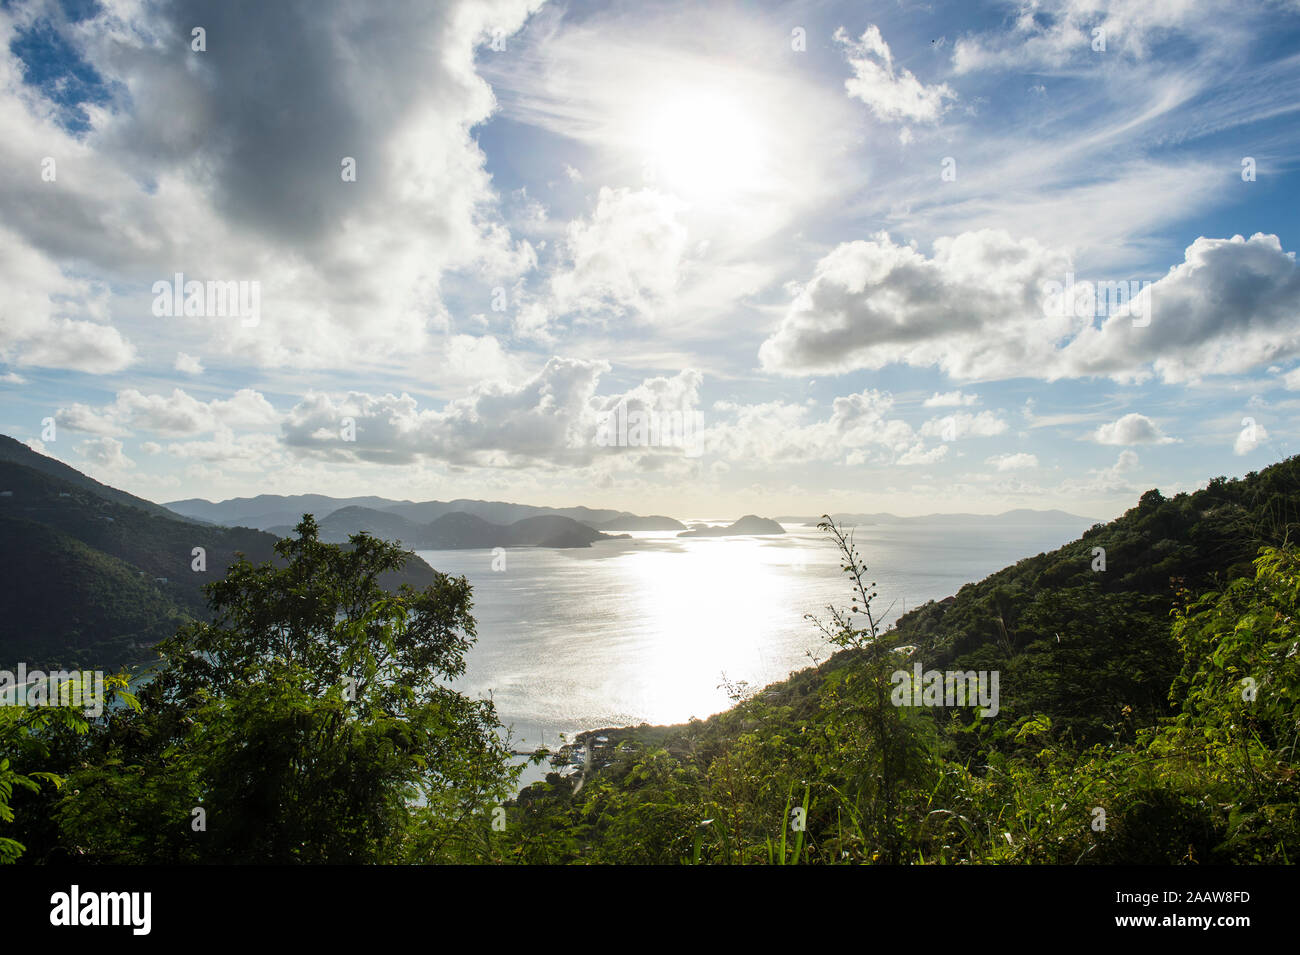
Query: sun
x=703, y=146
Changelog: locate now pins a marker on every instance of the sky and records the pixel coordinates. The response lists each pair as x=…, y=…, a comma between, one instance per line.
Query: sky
x=692, y=259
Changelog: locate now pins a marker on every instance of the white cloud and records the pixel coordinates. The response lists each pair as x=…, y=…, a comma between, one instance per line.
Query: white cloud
x=1013, y=462
x=971, y=309
x=963, y=424
x=176, y=415
x=1251, y=436
x=1103, y=482
x=43, y=310
x=80, y=417
x=858, y=431
x=1228, y=308
x=252, y=453
x=1054, y=33
x=982, y=307
x=917, y=455
x=105, y=452
x=1131, y=429
x=350, y=271
x=188, y=364
x=549, y=418
x=950, y=399
x=626, y=256
x=891, y=93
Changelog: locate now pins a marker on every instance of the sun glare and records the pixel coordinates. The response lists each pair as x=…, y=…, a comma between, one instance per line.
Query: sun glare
x=703, y=146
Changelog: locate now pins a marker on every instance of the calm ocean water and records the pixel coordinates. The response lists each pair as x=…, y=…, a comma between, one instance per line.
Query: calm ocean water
x=643, y=630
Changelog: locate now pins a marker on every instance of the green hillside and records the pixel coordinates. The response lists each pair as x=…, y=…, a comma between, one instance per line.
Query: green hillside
x=160, y=546
x=15, y=452
x=135, y=562
x=66, y=605
x=1052, y=618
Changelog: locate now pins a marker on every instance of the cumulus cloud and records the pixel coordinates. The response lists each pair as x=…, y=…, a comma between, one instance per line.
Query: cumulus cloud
x=859, y=430
x=1227, y=308
x=982, y=307
x=186, y=162
x=105, y=453
x=963, y=424
x=549, y=418
x=188, y=364
x=892, y=94
x=254, y=452
x=627, y=256
x=1251, y=436
x=949, y=399
x=1127, y=461
x=1013, y=462
x=1104, y=481
x=972, y=309
x=176, y=415
x=51, y=319
x=917, y=454
x=1131, y=429
x=80, y=417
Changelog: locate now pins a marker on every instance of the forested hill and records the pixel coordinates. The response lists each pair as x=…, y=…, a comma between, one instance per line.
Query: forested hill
x=95, y=576
x=15, y=452
x=1083, y=630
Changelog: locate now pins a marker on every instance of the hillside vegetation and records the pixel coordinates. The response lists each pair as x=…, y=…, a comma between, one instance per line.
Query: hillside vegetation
x=100, y=576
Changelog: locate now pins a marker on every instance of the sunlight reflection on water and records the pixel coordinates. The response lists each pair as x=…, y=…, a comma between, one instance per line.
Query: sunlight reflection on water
x=642, y=630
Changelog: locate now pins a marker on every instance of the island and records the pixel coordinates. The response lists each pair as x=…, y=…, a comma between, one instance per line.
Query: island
x=749, y=524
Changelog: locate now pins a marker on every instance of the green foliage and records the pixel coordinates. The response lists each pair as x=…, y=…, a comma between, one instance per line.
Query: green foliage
x=308, y=722
x=27, y=735
x=66, y=605
x=104, y=576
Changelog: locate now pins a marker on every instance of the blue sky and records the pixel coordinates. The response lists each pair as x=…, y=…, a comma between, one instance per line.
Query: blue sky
x=831, y=234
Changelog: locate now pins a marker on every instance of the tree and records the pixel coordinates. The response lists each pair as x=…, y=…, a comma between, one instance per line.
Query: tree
x=310, y=720
x=27, y=736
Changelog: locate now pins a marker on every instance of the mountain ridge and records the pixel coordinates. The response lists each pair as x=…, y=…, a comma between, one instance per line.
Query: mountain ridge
x=1016, y=515
x=460, y=530
x=63, y=534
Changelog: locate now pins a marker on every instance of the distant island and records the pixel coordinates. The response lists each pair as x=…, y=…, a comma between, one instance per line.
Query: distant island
x=749, y=524
x=1020, y=516
x=457, y=530
x=631, y=522
x=408, y=520
x=275, y=512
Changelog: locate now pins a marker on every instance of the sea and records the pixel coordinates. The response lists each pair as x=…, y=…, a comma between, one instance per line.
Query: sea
x=652, y=628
